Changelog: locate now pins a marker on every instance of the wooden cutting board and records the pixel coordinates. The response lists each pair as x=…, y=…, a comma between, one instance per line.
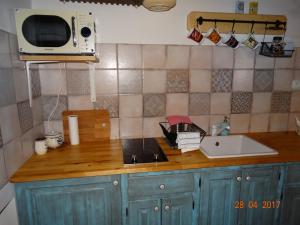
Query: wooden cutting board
x=94, y=125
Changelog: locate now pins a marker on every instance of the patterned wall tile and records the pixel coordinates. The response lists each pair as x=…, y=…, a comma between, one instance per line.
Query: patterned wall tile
x=78, y=82
x=222, y=80
x=241, y=102
x=177, y=81
x=111, y=103
x=263, y=80
x=281, y=101
x=25, y=116
x=154, y=105
x=130, y=81
x=7, y=87
x=35, y=83
x=48, y=105
x=199, y=104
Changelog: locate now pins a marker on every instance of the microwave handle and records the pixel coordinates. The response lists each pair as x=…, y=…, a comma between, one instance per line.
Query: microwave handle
x=73, y=32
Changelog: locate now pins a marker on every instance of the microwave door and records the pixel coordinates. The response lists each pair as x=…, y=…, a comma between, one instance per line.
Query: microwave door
x=49, y=33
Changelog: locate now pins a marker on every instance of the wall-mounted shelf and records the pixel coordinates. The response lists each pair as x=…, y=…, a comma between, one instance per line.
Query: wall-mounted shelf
x=62, y=58
x=225, y=20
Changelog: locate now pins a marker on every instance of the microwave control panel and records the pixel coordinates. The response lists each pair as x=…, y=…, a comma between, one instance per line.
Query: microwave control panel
x=86, y=33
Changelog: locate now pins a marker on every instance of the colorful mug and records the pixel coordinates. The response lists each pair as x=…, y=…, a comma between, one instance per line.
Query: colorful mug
x=231, y=41
x=214, y=36
x=196, y=35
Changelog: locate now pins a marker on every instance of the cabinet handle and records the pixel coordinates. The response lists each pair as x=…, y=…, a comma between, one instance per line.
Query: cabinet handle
x=156, y=208
x=167, y=207
x=239, y=179
x=248, y=178
x=162, y=187
x=116, y=183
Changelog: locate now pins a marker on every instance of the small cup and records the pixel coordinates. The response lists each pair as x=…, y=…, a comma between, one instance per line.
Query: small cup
x=231, y=41
x=196, y=35
x=214, y=36
x=251, y=42
x=40, y=146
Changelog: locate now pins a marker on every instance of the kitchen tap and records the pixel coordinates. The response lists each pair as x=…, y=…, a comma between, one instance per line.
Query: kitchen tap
x=216, y=129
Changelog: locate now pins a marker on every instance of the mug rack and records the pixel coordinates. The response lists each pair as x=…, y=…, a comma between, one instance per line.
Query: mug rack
x=275, y=24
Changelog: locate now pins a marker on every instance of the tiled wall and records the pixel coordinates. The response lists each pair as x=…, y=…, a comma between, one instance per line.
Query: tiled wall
x=142, y=84
x=19, y=124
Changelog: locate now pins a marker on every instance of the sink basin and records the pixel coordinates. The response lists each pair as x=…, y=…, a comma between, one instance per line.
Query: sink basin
x=233, y=146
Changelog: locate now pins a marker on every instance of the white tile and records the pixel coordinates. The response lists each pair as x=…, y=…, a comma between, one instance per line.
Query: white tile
x=283, y=80
x=263, y=62
x=9, y=121
x=13, y=156
x=106, y=82
x=154, y=81
x=151, y=127
x=131, y=105
x=177, y=104
x=201, y=57
x=222, y=58
x=200, y=80
x=53, y=82
x=178, y=57
x=279, y=122
x=129, y=56
x=244, y=58
x=201, y=121
x=107, y=56
x=242, y=80
x=131, y=127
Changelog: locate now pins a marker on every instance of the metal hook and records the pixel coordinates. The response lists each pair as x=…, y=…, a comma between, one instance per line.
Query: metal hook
x=251, y=31
x=215, y=24
x=233, y=23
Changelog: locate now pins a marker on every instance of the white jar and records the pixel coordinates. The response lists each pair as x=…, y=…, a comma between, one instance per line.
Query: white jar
x=40, y=146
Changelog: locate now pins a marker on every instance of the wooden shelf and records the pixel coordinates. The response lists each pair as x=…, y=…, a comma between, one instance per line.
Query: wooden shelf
x=240, y=28
x=62, y=58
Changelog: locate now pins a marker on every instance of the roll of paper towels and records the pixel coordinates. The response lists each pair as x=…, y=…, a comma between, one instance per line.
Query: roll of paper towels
x=73, y=129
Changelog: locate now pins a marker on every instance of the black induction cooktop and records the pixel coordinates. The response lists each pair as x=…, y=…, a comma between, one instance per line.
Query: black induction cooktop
x=142, y=150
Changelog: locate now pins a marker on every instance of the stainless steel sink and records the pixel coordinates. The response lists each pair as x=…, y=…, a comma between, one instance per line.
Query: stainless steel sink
x=233, y=146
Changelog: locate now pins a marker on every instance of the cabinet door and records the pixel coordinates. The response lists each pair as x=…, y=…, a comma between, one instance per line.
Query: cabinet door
x=144, y=212
x=177, y=210
x=291, y=206
x=219, y=195
x=259, y=194
x=69, y=203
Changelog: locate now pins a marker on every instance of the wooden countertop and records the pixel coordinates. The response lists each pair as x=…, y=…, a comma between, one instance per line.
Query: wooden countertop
x=96, y=159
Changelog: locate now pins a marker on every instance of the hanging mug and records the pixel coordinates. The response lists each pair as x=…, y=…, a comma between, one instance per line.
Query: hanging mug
x=251, y=42
x=230, y=40
x=196, y=35
x=213, y=35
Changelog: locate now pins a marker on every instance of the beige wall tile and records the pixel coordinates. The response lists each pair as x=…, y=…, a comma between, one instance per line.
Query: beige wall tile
x=130, y=56
x=107, y=56
x=154, y=56
x=239, y=123
x=130, y=81
x=279, y=122
x=114, y=128
x=292, y=121
x=295, y=102
x=151, y=127
x=243, y=80
x=178, y=57
x=283, y=80
x=154, y=81
x=131, y=106
x=261, y=102
x=200, y=80
x=222, y=58
x=80, y=102
x=106, y=82
x=244, y=58
x=263, y=62
x=177, y=104
x=201, y=57
x=131, y=127
x=109, y=102
x=21, y=85
x=259, y=122
x=13, y=156
x=78, y=82
x=285, y=62
x=201, y=121
x=9, y=121
x=220, y=103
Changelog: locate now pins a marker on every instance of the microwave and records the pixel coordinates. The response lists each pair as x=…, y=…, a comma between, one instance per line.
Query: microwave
x=45, y=32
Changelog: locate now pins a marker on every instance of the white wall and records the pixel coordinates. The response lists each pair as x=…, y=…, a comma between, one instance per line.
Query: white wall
x=7, y=18
x=127, y=24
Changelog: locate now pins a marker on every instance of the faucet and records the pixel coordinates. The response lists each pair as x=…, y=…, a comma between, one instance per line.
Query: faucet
x=217, y=129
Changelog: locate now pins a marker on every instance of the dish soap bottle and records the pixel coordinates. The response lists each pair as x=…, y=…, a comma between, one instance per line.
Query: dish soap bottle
x=225, y=127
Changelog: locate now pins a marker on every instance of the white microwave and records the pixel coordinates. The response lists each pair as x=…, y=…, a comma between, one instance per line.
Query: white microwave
x=46, y=32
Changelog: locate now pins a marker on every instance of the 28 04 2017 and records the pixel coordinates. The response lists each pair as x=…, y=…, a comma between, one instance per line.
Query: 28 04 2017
x=253, y=204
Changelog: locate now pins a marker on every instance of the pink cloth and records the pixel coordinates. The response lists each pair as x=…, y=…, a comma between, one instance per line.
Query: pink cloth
x=178, y=119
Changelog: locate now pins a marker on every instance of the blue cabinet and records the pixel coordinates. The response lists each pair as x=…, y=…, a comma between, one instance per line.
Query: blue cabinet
x=291, y=197
x=90, y=201
x=235, y=196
